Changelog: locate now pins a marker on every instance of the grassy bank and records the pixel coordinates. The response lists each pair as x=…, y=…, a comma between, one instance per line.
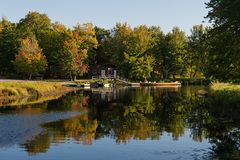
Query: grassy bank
x=11, y=91
x=23, y=89
x=225, y=94
x=193, y=81
x=225, y=87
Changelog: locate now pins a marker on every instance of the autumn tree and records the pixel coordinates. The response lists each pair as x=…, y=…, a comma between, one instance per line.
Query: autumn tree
x=30, y=59
x=35, y=24
x=88, y=41
x=73, y=62
x=77, y=49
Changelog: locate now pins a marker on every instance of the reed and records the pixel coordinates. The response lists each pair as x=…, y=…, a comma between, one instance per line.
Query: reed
x=28, y=88
x=225, y=87
x=225, y=94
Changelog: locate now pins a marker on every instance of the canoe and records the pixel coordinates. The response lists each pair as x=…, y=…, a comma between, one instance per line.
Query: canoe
x=84, y=85
x=161, y=84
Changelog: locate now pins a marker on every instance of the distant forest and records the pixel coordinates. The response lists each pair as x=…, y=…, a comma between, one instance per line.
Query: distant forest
x=35, y=46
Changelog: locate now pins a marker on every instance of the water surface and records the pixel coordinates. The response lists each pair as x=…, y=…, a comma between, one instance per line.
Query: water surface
x=124, y=123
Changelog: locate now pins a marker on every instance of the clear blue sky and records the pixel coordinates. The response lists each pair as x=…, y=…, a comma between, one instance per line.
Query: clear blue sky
x=106, y=13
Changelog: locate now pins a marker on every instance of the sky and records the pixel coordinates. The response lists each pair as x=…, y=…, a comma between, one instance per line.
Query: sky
x=106, y=13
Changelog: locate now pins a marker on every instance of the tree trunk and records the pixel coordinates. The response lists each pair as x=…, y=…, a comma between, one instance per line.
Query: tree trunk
x=30, y=77
x=74, y=78
x=166, y=75
x=70, y=77
x=194, y=74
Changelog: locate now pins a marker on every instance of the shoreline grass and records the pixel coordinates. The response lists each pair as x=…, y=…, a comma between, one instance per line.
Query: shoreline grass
x=225, y=94
x=12, y=91
x=25, y=88
x=225, y=87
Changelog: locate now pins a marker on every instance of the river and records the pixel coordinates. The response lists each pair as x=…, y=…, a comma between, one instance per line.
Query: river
x=124, y=123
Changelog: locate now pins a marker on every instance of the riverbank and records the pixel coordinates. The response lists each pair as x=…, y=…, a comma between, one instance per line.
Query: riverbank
x=30, y=91
x=225, y=87
x=225, y=94
x=193, y=81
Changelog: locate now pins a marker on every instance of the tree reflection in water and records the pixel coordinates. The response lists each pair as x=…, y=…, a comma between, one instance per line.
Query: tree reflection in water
x=145, y=114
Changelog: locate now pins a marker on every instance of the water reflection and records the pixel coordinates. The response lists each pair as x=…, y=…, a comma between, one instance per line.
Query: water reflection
x=131, y=114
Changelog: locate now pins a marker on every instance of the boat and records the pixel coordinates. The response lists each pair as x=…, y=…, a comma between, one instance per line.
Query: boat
x=161, y=84
x=135, y=84
x=87, y=85
x=96, y=85
x=107, y=85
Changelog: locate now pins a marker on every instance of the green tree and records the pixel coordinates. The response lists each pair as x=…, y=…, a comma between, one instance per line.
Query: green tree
x=34, y=23
x=157, y=50
x=140, y=67
x=224, y=14
x=30, y=59
x=9, y=44
x=118, y=45
x=177, y=47
x=223, y=58
x=137, y=59
x=197, y=51
x=129, y=51
x=101, y=56
x=52, y=43
x=173, y=51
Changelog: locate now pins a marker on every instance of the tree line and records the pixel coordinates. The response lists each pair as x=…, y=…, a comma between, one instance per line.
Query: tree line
x=36, y=46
